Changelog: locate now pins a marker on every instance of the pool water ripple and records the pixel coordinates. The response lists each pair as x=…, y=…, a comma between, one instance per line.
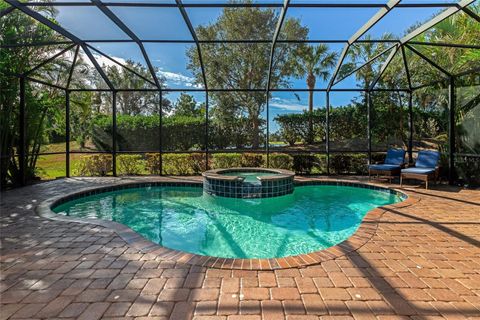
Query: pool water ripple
x=312, y=218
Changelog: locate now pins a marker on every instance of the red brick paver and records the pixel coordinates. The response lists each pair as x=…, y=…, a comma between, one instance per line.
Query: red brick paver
x=420, y=261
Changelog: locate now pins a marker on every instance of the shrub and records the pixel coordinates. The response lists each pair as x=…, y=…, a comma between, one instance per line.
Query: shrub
x=253, y=160
x=183, y=132
x=294, y=127
x=152, y=163
x=197, y=162
x=281, y=161
x=94, y=165
x=303, y=163
x=380, y=157
x=320, y=165
x=226, y=160
x=468, y=169
x=176, y=164
x=348, y=163
x=130, y=164
x=444, y=165
x=178, y=132
x=359, y=163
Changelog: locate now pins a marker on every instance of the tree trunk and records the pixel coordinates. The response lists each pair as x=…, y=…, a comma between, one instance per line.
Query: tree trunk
x=256, y=133
x=311, y=85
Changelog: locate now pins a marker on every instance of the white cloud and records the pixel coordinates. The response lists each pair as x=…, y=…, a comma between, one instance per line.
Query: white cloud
x=172, y=78
x=288, y=104
x=178, y=79
x=102, y=60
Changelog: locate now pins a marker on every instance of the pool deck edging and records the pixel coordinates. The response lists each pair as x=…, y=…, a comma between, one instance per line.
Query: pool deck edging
x=363, y=234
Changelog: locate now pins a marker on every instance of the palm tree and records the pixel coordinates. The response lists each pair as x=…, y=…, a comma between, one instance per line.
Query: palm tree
x=362, y=53
x=313, y=62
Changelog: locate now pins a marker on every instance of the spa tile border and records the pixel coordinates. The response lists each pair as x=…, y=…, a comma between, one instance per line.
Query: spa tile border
x=279, y=183
x=363, y=234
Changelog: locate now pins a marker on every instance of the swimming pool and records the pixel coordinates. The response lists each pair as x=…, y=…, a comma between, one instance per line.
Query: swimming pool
x=312, y=218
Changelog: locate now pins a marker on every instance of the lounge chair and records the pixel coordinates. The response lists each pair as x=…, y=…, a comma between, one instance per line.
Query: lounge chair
x=392, y=165
x=426, y=168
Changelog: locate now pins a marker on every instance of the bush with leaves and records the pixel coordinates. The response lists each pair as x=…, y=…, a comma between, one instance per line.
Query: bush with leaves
x=295, y=127
x=252, y=160
x=197, y=162
x=138, y=132
x=176, y=164
x=152, y=163
x=281, y=161
x=130, y=164
x=303, y=163
x=226, y=160
x=320, y=165
x=348, y=163
x=468, y=170
x=94, y=165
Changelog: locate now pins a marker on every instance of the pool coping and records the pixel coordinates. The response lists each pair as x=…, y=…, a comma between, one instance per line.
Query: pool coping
x=277, y=174
x=363, y=234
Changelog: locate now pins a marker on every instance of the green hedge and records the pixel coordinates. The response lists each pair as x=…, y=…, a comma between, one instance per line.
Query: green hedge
x=195, y=163
x=281, y=161
x=253, y=160
x=153, y=163
x=303, y=163
x=345, y=163
x=143, y=133
x=178, y=133
x=175, y=163
x=294, y=127
x=94, y=165
x=130, y=164
x=226, y=160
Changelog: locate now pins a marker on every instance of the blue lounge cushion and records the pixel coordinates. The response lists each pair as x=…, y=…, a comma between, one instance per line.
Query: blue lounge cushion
x=395, y=157
x=417, y=170
x=384, y=167
x=427, y=159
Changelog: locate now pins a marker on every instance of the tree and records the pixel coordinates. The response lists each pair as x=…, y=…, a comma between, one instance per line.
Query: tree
x=136, y=102
x=40, y=101
x=187, y=106
x=461, y=29
x=81, y=116
x=244, y=65
x=313, y=62
x=361, y=53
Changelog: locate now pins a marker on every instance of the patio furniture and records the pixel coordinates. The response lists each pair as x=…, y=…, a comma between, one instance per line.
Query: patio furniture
x=391, y=167
x=426, y=168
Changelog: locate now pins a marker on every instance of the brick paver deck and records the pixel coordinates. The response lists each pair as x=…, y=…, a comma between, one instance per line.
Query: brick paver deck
x=423, y=262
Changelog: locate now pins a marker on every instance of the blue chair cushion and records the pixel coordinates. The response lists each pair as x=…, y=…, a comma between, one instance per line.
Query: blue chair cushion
x=427, y=159
x=395, y=156
x=419, y=170
x=383, y=167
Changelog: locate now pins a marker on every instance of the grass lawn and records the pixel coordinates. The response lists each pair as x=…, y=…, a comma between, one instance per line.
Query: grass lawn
x=53, y=166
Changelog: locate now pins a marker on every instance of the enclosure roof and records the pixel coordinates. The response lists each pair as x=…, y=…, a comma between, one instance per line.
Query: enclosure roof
x=154, y=33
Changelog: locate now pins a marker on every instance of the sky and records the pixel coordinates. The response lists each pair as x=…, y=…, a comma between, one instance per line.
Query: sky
x=89, y=23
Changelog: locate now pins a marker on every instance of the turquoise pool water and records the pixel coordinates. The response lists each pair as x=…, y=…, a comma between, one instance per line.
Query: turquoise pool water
x=184, y=218
x=249, y=176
